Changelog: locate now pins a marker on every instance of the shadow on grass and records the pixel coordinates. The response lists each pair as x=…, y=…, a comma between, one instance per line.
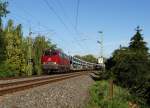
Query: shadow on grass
x=95, y=78
x=99, y=75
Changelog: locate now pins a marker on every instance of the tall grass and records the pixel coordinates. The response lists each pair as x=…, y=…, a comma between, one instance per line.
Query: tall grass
x=100, y=96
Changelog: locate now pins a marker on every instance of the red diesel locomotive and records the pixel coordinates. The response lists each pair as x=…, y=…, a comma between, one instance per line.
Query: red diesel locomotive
x=55, y=60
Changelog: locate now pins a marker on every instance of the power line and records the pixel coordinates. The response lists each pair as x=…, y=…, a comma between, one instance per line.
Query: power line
x=53, y=10
x=60, y=19
x=77, y=14
x=30, y=16
x=62, y=8
x=29, y=21
x=68, y=19
x=65, y=14
x=20, y=19
x=33, y=17
x=38, y=32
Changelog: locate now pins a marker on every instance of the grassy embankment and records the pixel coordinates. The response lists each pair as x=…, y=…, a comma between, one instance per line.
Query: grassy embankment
x=99, y=93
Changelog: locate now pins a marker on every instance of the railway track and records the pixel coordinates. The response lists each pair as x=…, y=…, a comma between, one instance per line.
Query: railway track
x=10, y=87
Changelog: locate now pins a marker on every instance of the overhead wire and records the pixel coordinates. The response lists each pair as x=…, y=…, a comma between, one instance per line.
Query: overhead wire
x=76, y=21
x=53, y=10
x=77, y=14
x=60, y=19
x=31, y=16
x=66, y=16
x=35, y=19
x=73, y=26
x=29, y=21
x=22, y=18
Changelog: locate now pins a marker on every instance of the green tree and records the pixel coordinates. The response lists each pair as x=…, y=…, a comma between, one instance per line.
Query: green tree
x=3, y=12
x=2, y=44
x=78, y=56
x=131, y=68
x=138, y=45
x=141, y=63
x=19, y=44
x=14, y=57
x=39, y=45
x=3, y=9
x=89, y=58
x=25, y=52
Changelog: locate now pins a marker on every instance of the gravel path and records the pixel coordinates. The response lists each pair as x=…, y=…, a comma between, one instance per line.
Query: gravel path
x=70, y=93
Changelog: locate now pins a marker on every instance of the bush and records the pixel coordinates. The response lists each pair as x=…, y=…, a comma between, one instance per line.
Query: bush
x=100, y=98
x=6, y=74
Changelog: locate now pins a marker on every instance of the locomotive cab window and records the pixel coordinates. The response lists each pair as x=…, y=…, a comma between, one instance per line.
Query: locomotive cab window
x=47, y=53
x=53, y=53
x=50, y=53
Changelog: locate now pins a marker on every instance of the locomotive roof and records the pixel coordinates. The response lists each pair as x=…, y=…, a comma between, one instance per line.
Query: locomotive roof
x=55, y=50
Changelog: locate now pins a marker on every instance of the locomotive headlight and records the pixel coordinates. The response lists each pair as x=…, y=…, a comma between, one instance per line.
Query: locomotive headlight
x=54, y=62
x=49, y=59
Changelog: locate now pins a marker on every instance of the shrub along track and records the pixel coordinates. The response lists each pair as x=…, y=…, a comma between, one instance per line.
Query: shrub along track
x=10, y=87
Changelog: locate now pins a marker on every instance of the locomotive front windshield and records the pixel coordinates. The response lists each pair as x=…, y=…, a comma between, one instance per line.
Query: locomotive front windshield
x=50, y=53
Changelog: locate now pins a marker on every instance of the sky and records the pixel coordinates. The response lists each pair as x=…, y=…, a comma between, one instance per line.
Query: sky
x=78, y=33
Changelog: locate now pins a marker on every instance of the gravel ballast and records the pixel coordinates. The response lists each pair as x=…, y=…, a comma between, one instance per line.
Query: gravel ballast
x=27, y=78
x=70, y=93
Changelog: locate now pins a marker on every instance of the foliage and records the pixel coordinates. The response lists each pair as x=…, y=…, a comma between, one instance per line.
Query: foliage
x=16, y=52
x=5, y=72
x=138, y=45
x=3, y=8
x=109, y=64
x=130, y=68
x=78, y=56
x=13, y=48
x=3, y=12
x=39, y=45
x=100, y=96
x=88, y=58
x=2, y=48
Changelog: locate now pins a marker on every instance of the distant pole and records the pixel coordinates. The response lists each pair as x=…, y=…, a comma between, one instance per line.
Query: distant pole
x=30, y=44
x=111, y=89
x=101, y=43
x=29, y=53
x=101, y=58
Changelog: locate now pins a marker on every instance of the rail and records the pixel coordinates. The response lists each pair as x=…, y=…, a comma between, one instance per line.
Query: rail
x=10, y=87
